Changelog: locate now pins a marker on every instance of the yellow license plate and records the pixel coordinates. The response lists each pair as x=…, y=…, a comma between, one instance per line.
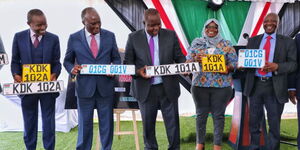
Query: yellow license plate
x=36, y=72
x=213, y=63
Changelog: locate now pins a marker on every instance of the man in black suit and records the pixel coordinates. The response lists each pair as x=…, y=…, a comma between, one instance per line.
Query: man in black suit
x=268, y=86
x=148, y=47
x=294, y=86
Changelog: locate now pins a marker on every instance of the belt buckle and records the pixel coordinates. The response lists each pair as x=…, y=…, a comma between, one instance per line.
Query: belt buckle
x=264, y=79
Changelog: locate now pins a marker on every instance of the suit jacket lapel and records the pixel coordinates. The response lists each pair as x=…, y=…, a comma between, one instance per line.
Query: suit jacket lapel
x=45, y=48
x=257, y=44
x=84, y=42
x=144, y=41
x=27, y=45
x=160, y=46
x=100, y=45
x=277, y=48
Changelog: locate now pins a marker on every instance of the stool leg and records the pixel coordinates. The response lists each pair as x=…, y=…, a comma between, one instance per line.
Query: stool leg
x=136, y=137
x=118, y=124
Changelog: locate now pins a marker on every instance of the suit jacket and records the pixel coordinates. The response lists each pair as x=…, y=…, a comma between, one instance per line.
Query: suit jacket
x=138, y=54
x=21, y=52
x=79, y=51
x=1, y=50
x=285, y=56
x=294, y=78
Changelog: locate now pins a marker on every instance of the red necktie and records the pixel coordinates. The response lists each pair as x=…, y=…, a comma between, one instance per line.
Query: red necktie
x=94, y=46
x=267, y=49
x=36, y=41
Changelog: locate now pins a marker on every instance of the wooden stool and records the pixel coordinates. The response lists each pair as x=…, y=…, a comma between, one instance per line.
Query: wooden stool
x=118, y=112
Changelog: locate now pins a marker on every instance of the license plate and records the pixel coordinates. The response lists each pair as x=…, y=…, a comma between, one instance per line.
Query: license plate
x=32, y=87
x=213, y=63
x=94, y=69
x=3, y=59
x=171, y=69
x=251, y=58
x=36, y=72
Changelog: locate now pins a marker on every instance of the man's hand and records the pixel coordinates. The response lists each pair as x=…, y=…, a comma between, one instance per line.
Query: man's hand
x=270, y=67
x=53, y=77
x=110, y=75
x=292, y=96
x=142, y=72
x=76, y=69
x=17, y=78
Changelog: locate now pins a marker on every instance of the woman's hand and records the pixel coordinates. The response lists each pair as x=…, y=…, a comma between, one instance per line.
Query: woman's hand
x=198, y=57
x=228, y=70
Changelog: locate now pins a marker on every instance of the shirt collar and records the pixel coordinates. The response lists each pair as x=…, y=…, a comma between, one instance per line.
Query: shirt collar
x=149, y=36
x=273, y=35
x=88, y=34
x=32, y=34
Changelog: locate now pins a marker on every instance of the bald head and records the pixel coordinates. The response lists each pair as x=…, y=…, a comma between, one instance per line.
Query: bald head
x=91, y=20
x=271, y=22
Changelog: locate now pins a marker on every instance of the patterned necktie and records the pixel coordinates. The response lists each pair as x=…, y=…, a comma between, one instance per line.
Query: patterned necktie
x=36, y=41
x=267, y=49
x=151, y=46
x=94, y=46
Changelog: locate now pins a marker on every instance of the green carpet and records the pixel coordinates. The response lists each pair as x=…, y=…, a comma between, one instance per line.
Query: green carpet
x=67, y=141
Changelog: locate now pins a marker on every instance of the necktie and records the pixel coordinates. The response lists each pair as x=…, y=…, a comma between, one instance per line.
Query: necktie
x=36, y=41
x=151, y=46
x=94, y=46
x=267, y=49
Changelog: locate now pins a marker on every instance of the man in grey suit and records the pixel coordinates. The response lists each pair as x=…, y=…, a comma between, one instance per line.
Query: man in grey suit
x=268, y=86
x=148, y=47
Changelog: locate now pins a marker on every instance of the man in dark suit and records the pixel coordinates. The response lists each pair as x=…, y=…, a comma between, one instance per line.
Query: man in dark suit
x=2, y=51
x=148, y=47
x=294, y=86
x=93, y=45
x=36, y=46
x=268, y=86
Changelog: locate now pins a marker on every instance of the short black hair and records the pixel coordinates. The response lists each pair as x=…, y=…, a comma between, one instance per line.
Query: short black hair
x=150, y=11
x=34, y=12
x=85, y=10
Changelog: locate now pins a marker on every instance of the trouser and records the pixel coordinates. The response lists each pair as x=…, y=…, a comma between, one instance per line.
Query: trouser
x=156, y=100
x=212, y=100
x=264, y=95
x=29, y=105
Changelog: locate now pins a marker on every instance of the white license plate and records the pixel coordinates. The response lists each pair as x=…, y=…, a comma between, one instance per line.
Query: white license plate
x=172, y=69
x=33, y=87
x=251, y=58
x=3, y=59
x=95, y=69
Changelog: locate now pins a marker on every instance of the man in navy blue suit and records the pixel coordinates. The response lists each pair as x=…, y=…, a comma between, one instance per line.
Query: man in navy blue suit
x=93, y=45
x=37, y=46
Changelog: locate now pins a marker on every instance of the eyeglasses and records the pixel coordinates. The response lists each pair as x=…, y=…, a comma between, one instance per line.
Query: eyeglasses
x=211, y=27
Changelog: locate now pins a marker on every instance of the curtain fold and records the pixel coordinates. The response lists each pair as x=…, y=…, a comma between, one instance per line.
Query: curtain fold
x=130, y=12
x=290, y=19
